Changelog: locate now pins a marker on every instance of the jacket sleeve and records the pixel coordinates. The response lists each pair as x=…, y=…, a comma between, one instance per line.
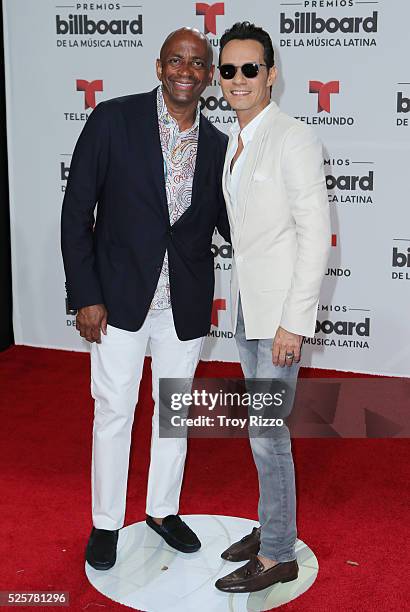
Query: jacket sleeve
x=302, y=168
x=85, y=182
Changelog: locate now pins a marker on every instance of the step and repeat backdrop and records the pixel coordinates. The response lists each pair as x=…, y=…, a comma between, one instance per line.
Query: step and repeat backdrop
x=343, y=69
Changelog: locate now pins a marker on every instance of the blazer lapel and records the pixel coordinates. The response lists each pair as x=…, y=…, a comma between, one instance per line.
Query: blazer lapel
x=245, y=181
x=203, y=160
x=250, y=165
x=144, y=134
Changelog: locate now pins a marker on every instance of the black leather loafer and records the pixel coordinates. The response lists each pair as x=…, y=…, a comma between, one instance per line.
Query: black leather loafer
x=176, y=533
x=101, y=551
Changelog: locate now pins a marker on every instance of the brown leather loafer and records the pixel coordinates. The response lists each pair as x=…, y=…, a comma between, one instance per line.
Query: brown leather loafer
x=248, y=545
x=254, y=577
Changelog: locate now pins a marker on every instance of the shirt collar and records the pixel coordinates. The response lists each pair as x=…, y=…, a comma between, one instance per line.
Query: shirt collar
x=248, y=132
x=167, y=119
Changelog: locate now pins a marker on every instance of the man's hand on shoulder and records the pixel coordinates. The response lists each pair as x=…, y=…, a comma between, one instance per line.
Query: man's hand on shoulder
x=286, y=344
x=91, y=321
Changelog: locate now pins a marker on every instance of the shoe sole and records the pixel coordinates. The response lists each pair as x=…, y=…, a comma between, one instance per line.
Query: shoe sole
x=256, y=590
x=101, y=567
x=172, y=542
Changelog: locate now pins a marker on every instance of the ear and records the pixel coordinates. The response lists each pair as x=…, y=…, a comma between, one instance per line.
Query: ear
x=158, y=66
x=272, y=74
x=211, y=74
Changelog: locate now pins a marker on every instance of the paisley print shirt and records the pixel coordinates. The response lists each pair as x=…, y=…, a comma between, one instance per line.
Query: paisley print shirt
x=179, y=151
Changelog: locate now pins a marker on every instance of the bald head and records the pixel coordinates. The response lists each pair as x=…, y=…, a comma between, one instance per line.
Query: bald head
x=187, y=33
x=185, y=69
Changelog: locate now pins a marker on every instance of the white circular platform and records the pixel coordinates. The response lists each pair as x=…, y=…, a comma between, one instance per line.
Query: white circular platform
x=153, y=577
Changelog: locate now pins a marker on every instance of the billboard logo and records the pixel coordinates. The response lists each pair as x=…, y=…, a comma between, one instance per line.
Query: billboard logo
x=224, y=253
x=310, y=23
x=344, y=328
x=350, y=187
x=351, y=182
x=214, y=104
x=401, y=259
x=89, y=88
x=323, y=91
x=64, y=173
x=83, y=25
x=81, y=30
x=210, y=12
x=342, y=333
x=403, y=103
x=313, y=29
x=402, y=107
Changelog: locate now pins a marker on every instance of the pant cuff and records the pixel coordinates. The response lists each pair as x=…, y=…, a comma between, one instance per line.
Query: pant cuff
x=104, y=523
x=161, y=512
x=279, y=557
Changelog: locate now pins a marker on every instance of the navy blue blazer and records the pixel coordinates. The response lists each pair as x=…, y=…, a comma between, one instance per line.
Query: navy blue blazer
x=116, y=257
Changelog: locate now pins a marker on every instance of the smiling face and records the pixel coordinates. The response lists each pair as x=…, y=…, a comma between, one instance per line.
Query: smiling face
x=184, y=68
x=246, y=96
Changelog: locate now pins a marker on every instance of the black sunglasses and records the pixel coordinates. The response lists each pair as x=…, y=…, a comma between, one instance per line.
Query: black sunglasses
x=250, y=70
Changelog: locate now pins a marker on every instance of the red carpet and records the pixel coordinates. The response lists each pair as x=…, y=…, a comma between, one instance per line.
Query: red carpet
x=353, y=495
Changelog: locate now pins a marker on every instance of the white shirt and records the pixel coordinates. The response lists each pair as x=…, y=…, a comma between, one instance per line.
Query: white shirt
x=247, y=133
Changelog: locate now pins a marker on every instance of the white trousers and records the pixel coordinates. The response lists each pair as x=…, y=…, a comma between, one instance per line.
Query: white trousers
x=116, y=369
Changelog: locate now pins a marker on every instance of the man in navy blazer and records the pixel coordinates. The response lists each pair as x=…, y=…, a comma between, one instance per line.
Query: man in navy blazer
x=141, y=270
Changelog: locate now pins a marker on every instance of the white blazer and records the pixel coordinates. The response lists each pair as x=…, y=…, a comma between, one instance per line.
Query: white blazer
x=280, y=229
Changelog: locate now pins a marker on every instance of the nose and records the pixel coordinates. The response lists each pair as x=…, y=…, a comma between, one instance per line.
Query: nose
x=185, y=69
x=238, y=79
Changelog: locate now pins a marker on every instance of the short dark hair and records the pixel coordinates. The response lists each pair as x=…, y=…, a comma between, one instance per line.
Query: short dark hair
x=249, y=31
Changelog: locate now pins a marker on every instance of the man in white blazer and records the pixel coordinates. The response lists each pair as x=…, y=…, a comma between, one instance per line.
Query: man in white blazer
x=275, y=191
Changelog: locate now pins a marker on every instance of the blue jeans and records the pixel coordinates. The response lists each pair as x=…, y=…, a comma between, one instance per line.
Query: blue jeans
x=272, y=455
